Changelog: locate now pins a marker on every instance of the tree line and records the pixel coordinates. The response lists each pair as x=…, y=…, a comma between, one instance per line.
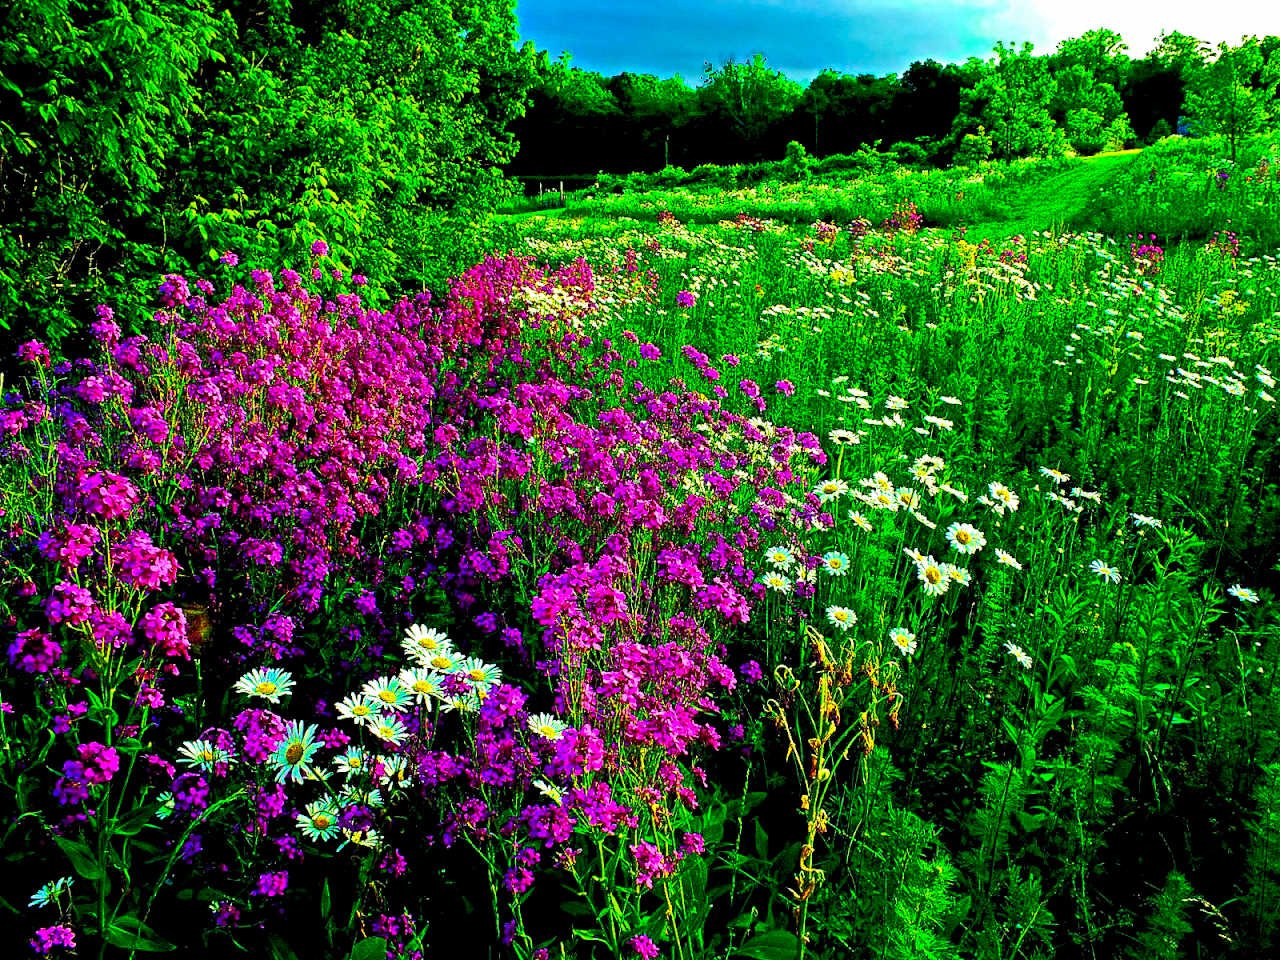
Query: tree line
x=1086, y=96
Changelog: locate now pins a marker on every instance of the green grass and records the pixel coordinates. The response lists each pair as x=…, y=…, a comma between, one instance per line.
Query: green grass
x=1074, y=802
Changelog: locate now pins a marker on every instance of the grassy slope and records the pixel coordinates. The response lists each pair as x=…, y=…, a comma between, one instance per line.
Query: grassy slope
x=1064, y=199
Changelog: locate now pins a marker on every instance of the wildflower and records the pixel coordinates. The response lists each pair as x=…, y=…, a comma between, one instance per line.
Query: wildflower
x=48, y=939
x=320, y=822
x=1244, y=594
x=927, y=465
x=423, y=683
x=904, y=640
x=924, y=521
x=686, y=299
x=295, y=751
x=446, y=661
x=202, y=754
x=1005, y=499
x=841, y=618
x=421, y=643
x=1007, y=559
x=785, y=387
x=389, y=728
x=942, y=423
x=777, y=582
x=1142, y=520
x=895, y=403
x=933, y=577
x=644, y=947
x=485, y=676
x=907, y=498
x=1104, y=571
x=1091, y=495
x=550, y=791
x=1057, y=476
x=359, y=708
x=353, y=761
x=835, y=563
x=270, y=684
x=51, y=892
x=883, y=500
x=965, y=538
x=915, y=555
x=1019, y=654
x=547, y=725
x=780, y=557
x=862, y=522
x=957, y=574
x=388, y=693
x=844, y=438
x=830, y=490
x=951, y=401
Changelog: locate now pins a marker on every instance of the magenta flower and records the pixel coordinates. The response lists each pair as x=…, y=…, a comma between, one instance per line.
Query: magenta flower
x=98, y=762
x=686, y=299
x=48, y=939
x=644, y=946
x=34, y=651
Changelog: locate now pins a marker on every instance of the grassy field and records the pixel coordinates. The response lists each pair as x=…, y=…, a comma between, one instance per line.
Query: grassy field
x=1050, y=509
x=846, y=566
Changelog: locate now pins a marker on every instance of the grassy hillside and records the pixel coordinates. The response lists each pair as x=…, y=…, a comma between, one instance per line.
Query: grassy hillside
x=1178, y=189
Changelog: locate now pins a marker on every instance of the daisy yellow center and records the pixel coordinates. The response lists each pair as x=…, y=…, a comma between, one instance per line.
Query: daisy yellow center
x=962, y=536
x=321, y=821
x=293, y=754
x=387, y=696
x=422, y=687
x=829, y=488
x=354, y=762
x=441, y=663
x=835, y=563
x=206, y=756
x=476, y=675
x=548, y=731
x=266, y=688
x=841, y=616
x=360, y=710
x=933, y=574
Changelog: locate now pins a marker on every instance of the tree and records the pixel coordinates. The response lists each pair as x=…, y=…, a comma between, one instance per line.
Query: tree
x=137, y=138
x=1233, y=94
x=1012, y=99
x=748, y=97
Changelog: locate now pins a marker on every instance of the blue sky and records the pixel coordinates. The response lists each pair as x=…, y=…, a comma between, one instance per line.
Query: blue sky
x=801, y=37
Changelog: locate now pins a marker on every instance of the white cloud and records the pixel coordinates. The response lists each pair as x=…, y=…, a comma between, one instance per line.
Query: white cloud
x=1141, y=22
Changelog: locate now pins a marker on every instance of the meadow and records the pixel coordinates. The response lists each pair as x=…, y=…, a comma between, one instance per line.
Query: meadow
x=846, y=564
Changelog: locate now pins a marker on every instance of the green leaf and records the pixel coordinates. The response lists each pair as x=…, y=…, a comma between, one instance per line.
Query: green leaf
x=370, y=948
x=130, y=933
x=762, y=841
x=773, y=945
x=326, y=902
x=280, y=949
x=132, y=825
x=82, y=859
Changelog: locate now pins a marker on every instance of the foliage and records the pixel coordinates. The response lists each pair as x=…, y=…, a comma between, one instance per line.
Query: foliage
x=141, y=140
x=1222, y=98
